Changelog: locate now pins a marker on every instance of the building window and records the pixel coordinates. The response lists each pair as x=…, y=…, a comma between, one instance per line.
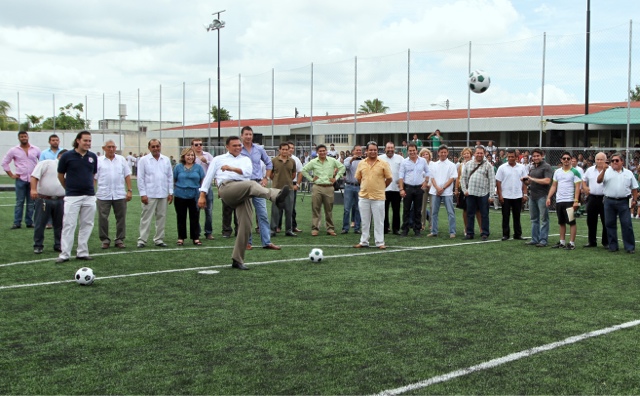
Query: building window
x=336, y=139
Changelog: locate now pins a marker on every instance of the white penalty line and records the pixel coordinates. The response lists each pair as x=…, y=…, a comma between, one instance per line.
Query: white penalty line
x=508, y=358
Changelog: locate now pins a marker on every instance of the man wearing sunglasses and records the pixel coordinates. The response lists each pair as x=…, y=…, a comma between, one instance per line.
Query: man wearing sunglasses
x=566, y=185
x=619, y=185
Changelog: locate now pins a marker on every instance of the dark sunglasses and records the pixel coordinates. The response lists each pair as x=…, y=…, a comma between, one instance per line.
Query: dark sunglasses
x=566, y=158
x=616, y=160
x=197, y=144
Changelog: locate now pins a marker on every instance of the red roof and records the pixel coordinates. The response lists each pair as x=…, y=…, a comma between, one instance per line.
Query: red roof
x=425, y=115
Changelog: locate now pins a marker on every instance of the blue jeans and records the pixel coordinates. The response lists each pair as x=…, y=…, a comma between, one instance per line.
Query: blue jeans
x=263, y=221
x=23, y=192
x=435, y=208
x=475, y=203
x=612, y=210
x=539, y=214
x=351, y=204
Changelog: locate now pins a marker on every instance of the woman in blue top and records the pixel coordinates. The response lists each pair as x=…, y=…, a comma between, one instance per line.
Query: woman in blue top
x=187, y=177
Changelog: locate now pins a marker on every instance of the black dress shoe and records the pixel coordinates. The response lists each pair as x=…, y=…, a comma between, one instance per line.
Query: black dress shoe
x=30, y=226
x=240, y=266
x=468, y=237
x=396, y=233
x=161, y=244
x=519, y=238
x=290, y=234
x=505, y=238
x=85, y=258
x=588, y=245
x=37, y=250
x=15, y=226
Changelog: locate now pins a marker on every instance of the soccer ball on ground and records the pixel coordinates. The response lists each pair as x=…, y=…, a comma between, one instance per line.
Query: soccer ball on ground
x=479, y=81
x=84, y=276
x=316, y=255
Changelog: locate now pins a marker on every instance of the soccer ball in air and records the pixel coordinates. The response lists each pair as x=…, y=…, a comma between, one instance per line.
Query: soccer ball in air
x=479, y=81
x=84, y=276
x=316, y=255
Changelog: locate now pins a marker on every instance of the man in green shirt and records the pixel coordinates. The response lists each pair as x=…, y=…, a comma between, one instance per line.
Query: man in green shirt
x=326, y=171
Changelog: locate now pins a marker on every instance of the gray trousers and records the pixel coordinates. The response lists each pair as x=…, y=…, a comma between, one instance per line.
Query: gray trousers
x=237, y=195
x=276, y=214
x=104, y=210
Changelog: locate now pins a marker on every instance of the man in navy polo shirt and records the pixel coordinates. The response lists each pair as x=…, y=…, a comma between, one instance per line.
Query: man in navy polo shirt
x=76, y=170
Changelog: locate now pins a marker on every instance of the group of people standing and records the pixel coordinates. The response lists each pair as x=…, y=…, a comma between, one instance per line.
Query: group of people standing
x=70, y=186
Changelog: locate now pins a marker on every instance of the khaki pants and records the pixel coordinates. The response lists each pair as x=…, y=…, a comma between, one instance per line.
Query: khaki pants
x=321, y=197
x=157, y=207
x=237, y=195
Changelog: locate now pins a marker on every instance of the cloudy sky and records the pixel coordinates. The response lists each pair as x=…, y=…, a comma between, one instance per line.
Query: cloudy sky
x=84, y=52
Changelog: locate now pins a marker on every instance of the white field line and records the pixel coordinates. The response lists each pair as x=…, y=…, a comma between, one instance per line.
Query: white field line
x=361, y=252
x=508, y=358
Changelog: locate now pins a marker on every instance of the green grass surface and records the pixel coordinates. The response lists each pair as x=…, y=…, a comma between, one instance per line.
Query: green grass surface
x=360, y=322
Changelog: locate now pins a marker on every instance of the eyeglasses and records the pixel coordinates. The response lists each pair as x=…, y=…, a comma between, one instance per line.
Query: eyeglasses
x=566, y=158
x=197, y=144
x=616, y=160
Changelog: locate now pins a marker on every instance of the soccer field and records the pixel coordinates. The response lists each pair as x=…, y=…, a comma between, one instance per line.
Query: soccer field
x=426, y=316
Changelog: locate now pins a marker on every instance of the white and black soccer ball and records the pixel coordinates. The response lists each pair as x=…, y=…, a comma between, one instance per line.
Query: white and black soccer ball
x=84, y=276
x=479, y=81
x=316, y=255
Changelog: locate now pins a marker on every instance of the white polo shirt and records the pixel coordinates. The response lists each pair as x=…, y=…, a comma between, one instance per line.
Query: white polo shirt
x=567, y=180
x=619, y=184
x=510, y=180
x=590, y=177
x=394, y=163
x=47, y=174
x=442, y=172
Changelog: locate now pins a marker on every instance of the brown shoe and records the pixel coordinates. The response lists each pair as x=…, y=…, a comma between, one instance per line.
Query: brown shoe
x=120, y=245
x=297, y=230
x=314, y=233
x=382, y=247
x=249, y=247
x=271, y=246
x=360, y=246
x=210, y=237
x=332, y=233
x=105, y=246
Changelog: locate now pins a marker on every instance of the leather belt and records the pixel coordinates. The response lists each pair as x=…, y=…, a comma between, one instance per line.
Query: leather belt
x=352, y=184
x=257, y=180
x=412, y=186
x=619, y=199
x=324, y=185
x=49, y=197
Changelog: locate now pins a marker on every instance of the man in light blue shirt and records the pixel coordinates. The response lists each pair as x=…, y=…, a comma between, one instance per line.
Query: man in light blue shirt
x=413, y=177
x=53, y=150
x=257, y=154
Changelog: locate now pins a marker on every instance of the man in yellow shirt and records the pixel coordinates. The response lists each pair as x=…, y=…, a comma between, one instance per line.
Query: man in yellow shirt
x=326, y=171
x=374, y=175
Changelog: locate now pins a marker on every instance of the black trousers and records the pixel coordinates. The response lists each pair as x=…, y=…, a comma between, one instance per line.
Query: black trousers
x=183, y=207
x=508, y=207
x=227, y=213
x=595, y=207
x=392, y=198
x=411, y=212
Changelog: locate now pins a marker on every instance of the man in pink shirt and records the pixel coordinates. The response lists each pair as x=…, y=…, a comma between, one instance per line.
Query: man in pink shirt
x=25, y=157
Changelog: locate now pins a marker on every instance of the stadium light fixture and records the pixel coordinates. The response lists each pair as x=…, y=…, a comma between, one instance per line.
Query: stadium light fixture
x=217, y=24
x=444, y=104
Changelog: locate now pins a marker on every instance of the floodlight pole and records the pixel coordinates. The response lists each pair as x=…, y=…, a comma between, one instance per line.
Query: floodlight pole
x=217, y=24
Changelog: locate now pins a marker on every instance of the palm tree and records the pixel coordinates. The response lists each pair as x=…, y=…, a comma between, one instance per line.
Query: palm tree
x=373, y=106
x=635, y=95
x=34, y=121
x=5, y=120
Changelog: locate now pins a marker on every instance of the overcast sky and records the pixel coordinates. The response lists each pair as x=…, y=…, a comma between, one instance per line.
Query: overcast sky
x=76, y=50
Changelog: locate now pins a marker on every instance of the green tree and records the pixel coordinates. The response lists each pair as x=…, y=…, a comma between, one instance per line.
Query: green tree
x=373, y=106
x=224, y=114
x=635, y=95
x=70, y=117
x=6, y=122
x=34, y=122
